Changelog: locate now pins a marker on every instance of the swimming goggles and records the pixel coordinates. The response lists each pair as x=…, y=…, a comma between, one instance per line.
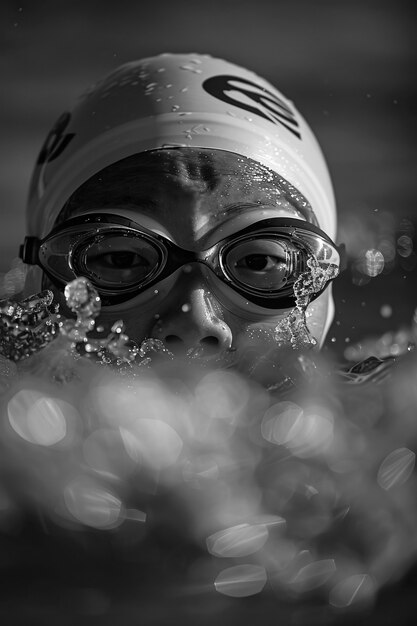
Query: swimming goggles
x=121, y=258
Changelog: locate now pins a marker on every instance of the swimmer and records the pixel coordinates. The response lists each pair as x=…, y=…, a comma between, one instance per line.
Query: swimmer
x=193, y=196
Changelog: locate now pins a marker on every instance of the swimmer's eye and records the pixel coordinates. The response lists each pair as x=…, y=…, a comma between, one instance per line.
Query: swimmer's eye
x=121, y=260
x=262, y=264
x=113, y=261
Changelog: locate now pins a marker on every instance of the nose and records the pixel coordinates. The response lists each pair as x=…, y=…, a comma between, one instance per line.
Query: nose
x=195, y=323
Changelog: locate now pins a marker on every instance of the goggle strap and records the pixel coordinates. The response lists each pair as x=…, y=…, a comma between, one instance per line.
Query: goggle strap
x=29, y=250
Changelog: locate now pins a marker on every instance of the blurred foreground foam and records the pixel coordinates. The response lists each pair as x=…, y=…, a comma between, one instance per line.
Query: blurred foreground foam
x=301, y=488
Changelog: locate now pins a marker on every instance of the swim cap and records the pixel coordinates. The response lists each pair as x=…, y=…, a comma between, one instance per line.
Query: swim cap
x=178, y=100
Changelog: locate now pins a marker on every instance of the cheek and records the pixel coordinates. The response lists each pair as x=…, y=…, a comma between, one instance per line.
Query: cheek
x=259, y=335
x=141, y=312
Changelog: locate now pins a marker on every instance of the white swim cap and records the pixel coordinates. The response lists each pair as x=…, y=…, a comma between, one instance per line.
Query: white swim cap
x=178, y=100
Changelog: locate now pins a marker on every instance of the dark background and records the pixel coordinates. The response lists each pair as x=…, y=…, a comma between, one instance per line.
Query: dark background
x=348, y=65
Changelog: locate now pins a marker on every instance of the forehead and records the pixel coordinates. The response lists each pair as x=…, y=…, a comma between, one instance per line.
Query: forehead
x=189, y=192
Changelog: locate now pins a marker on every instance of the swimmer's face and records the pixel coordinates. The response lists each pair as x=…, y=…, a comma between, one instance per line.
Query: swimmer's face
x=195, y=198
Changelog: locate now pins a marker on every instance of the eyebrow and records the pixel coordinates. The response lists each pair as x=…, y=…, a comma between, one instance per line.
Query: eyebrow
x=237, y=208
x=230, y=210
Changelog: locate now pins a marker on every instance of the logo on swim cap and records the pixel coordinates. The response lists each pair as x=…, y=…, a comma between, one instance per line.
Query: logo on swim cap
x=237, y=91
x=55, y=143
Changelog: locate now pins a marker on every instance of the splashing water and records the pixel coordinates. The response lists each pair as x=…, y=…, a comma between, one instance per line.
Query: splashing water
x=293, y=328
x=114, y=349
x=83, y=300
x=26, y=327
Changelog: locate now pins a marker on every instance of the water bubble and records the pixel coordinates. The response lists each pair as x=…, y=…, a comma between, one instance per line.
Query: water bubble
x=385, y=310
x=396, y=468
x=18, y=408
x=237, y=541
x=281, y=421
x=82, y=298
x=356, y=589
x=373, y=262
x=404, y=245
x=40, y=419
x=118, y=327
x=241, y=580
x=92, y=505
x=305, y=432
x=47, y=422
x=313, y=575
x=152, y=442
x=186, y=308
x=154, y=345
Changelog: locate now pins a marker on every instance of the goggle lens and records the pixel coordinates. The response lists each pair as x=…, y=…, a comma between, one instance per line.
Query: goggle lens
x=117, y=261
x=261, y=264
